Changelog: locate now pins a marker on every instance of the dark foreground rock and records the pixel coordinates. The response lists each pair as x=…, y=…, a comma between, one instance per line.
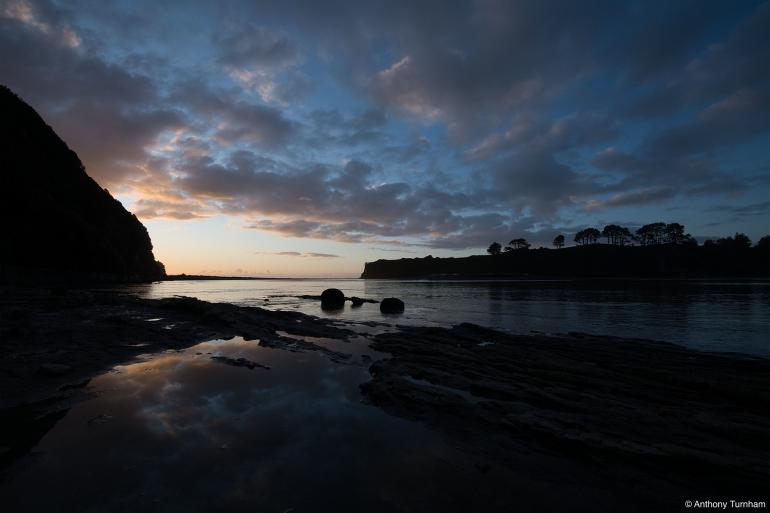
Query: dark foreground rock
x=332, y=299
x=240, y=362
x=391, y=305
x=654, y=422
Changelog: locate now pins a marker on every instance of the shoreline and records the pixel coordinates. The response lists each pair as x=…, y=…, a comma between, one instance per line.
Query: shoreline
x=508, y=279
x=669, y=416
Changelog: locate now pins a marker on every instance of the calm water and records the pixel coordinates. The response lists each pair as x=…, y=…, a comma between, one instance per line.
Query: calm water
x=180, y=432
x=714, y=316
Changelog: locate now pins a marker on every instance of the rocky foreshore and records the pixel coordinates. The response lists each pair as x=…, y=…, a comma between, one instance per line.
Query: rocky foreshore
x=648, y=420
x=655, y=420
x=51, y=340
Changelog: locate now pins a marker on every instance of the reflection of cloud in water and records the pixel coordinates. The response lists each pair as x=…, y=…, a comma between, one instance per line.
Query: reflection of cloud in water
x=200, y=435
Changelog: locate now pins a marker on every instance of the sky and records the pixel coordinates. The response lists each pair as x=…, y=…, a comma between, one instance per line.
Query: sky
x=300, y=138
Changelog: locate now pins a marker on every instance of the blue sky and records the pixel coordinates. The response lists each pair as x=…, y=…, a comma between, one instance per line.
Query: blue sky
x=294, y=139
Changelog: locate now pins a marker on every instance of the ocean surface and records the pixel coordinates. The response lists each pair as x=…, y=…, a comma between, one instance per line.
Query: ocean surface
x=708, y=315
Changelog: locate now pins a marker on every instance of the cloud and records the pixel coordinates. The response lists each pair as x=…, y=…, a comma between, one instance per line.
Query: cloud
x=640, y=197
x=256, y=124
x=298, y=254
x=753, y=209
x=262, y=59
x=247, y=45
x=106, y=114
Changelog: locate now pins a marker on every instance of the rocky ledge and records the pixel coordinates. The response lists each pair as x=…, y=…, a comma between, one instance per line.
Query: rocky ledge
x=52, y=341
x=655, y=420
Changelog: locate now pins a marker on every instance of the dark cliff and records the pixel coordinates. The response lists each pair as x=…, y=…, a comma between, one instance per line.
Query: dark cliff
x=58, y=224
x=594, y=261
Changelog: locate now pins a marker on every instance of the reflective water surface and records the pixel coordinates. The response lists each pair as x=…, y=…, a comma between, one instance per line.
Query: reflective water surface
x=183, y=432
x=708, y=315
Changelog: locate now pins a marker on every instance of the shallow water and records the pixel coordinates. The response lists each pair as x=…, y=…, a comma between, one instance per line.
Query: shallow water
x=181, y=432
x=716, y=316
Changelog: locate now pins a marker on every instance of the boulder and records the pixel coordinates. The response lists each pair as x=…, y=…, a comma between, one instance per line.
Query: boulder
x=332, y=299
x=356, y=301
x=391, y=305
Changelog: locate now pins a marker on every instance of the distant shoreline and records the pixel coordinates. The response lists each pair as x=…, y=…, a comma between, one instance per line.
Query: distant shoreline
x=200, y=277
x=494, y=279
x=591, y=262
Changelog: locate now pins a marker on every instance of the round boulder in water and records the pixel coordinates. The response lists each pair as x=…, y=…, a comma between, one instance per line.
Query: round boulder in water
x=391, y=305
x=332, y=299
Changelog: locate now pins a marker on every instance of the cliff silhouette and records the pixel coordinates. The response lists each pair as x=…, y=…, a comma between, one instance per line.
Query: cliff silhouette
x=58, y=224
x=590, y=261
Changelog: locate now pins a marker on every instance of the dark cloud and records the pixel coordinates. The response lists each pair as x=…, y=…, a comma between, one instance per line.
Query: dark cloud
x=638, y=197
x=752, y=209
x=247, y=45
x=256, y=124
x=331, y=127
x=731, y=120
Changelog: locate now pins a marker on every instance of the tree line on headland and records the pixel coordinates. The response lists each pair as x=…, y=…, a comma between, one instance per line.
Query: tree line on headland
x=648, y=235
x=655, y=250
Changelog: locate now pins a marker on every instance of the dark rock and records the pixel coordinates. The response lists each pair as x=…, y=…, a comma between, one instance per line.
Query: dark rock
x=239, y=362
x=391, y=305
x=54, y=369
x=356, y=301
x=332, y=299
x=591, y=399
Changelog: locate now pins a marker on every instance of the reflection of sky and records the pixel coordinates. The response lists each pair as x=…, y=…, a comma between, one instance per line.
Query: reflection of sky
x=710, y=316
x=252, y=137
x=184, y=433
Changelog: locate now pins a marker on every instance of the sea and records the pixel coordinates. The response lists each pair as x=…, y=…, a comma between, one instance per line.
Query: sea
x=729, y=316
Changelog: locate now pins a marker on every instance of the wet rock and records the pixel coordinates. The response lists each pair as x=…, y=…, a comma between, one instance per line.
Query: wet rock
x=640, y=407
x=332, y=299
x=54, y=369
x=102, y=418
x=391, y=305
x=239, y=362
x=356, y=301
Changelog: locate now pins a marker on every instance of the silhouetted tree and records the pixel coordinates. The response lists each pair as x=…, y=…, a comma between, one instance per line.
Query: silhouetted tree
x=558, y=241
x=764, y=244
x=617, y=235
x=507, y=249
x=519, y=244
x=587, y=236
x=742, y=241
x=494, y=248
x=739, y=241
x=653, y=233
